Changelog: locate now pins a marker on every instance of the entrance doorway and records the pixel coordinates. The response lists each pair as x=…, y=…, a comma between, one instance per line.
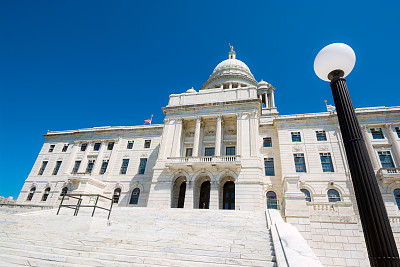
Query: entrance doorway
x=182, y=192
x=204, y=195
x=229, y=196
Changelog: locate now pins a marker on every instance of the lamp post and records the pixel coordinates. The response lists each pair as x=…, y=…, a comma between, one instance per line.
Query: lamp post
x=333, y=63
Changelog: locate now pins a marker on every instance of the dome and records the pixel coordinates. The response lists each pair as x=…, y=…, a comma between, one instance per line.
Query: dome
x=230, y=70
x=191, y=90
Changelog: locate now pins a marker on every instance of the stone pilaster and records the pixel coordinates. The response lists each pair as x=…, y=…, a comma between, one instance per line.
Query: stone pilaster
x=218, y=136
x=392, y=137
x=196, y=141
x=370, y=148
x=189, y=195
x=253, y=133
x=177, y=142
x=214, y=196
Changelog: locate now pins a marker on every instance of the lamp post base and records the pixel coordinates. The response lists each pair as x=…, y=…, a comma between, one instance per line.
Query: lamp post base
x=378, y=233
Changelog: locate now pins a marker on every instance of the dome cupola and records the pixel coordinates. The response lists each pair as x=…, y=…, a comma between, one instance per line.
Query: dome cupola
x=230, y=73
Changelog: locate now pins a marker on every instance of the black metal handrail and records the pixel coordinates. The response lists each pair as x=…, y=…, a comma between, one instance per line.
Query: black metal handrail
x=78, y=205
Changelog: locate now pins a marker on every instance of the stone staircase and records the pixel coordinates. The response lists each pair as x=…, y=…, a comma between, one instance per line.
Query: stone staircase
x=136, y=237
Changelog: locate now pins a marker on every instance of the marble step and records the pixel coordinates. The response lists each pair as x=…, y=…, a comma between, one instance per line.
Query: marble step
x=108, y=259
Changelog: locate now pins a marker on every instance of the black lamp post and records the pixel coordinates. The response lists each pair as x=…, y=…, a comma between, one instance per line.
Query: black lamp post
x=333, y=63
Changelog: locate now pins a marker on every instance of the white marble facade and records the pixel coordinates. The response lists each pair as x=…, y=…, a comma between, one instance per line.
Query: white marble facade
x=215, y=136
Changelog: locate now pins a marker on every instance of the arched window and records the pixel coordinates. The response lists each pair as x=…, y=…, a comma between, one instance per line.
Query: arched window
x=333, y=195
x=116, y=195
x=181, y=197
x=229, y=196
x=307, y=194
x=46, y=194
x=31, y=193
x=396, y=194
x=272, y=201
x=135, y=196
x=64, y=191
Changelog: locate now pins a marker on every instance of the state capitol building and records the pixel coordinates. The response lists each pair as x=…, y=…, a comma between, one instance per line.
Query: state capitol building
x=225, y=146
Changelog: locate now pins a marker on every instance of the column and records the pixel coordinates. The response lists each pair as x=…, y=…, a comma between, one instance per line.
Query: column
x=218, y=136
x=272, y=99
x=265, y=95
x=370, y=148
x=253, y=133
x=392, y=137
x=166, y=141
x=238, y=135
x=196, y=141
x=214, y=199
x=176, y=148
x=189, y=195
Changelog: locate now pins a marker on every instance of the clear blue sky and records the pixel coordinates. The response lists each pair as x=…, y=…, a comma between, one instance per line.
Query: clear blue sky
x=78, y=64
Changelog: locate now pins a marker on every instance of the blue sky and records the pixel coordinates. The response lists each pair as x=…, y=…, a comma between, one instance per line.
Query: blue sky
x=79, y=64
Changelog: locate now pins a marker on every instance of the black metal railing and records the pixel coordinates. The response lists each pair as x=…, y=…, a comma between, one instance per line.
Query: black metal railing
x=79, y=205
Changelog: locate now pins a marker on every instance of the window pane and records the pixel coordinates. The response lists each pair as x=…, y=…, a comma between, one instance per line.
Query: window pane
x=147, y=143
x=46, y=194
x=135, y=196
x=76, y=166
x=396, y=194
x=272, y=202
x=398, y=131
x=333, y=195
x=299, y=162
x=130, y=145
x=269, y=167
x=189, y=152
x=90, y=166
x=296, y=137
x=142, y=166
x=51, y=149
x=326, y=162
x=116, y=195
x=321, y=136
x=44, y=164
x=31, y=193
x=231, y=151
x=307, y=194
x=83, y=147
x=104, y=166
x=124, y=166
x=64, y=191
x=377, y=133
x=57, y=167
x=65, y=147
x=209, y=152
x=110, y=146
x=97, y=146
x=386, y=159
x=267, y=142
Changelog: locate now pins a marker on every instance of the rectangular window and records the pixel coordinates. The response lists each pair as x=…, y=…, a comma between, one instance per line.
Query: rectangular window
x=326, y=162
x=147, y=143
x=209, y=151
x=299, y=162
x=129, y=145
x=124, y=167
x=57, y=167
x=76, y=166
x=321, y=135
x=267, y=142
x=386, y=159
x=90, y=166
x=83, y=147
x=110, y=146
x=44, y=164
x=51, y=149
x=142, y=166
x=397, y=131
x=231, y=151
x=377, y=133
x=296, y=137
x=64, y=149
x=269, y=167
x=104, y=166
x=189, y=152
x=97, y=146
